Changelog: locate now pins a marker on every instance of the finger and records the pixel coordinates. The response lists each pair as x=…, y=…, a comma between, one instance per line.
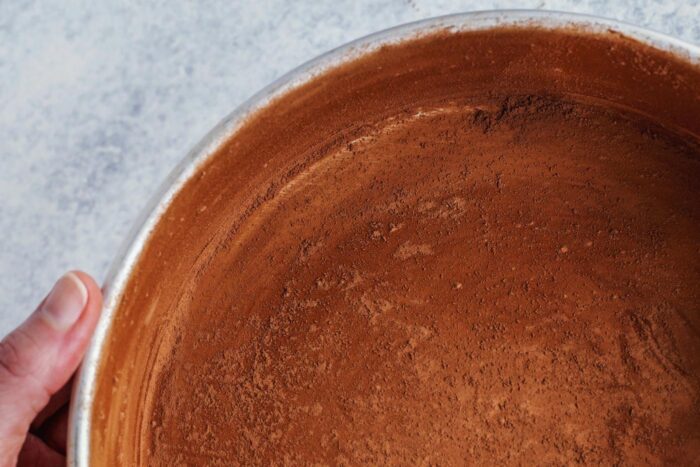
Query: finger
x=36, y=453
x=40, y=356
x=57, y=402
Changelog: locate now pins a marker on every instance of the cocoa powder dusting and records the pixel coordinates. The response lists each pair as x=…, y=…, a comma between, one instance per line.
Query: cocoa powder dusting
x=453, y=251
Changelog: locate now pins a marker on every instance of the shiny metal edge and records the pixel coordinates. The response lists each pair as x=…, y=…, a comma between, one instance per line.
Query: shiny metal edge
x=80, y=418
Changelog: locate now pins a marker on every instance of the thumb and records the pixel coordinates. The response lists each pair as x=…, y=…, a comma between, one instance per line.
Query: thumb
x=40, y=356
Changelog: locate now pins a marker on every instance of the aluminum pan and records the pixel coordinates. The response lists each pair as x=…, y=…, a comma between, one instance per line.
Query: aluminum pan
x=80, y=418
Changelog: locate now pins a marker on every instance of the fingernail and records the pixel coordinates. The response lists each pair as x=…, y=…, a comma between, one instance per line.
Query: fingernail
x=64, y=304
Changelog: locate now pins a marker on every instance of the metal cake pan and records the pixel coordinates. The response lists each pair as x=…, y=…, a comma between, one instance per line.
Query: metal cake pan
x=81, y=413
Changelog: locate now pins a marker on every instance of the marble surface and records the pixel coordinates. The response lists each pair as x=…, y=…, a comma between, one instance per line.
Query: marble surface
x=99, y=100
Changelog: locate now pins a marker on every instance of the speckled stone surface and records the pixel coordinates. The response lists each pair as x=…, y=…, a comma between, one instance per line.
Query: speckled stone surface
x=99, y=100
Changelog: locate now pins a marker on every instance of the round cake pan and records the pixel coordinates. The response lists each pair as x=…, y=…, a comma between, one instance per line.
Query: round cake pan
x=81, y=416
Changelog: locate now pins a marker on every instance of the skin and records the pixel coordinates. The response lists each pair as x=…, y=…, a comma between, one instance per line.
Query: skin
x=37, y=363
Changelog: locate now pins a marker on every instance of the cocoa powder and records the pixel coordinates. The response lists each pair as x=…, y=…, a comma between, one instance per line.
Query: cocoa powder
x=468, y=248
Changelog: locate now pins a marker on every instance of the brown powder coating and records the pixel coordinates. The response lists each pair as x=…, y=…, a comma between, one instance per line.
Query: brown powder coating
x=469, y=248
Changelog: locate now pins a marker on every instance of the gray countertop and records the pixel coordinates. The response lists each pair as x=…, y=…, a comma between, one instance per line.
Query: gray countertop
x=99, y=100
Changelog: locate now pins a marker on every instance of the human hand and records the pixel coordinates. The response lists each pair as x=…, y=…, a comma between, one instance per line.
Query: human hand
x=37, y=362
